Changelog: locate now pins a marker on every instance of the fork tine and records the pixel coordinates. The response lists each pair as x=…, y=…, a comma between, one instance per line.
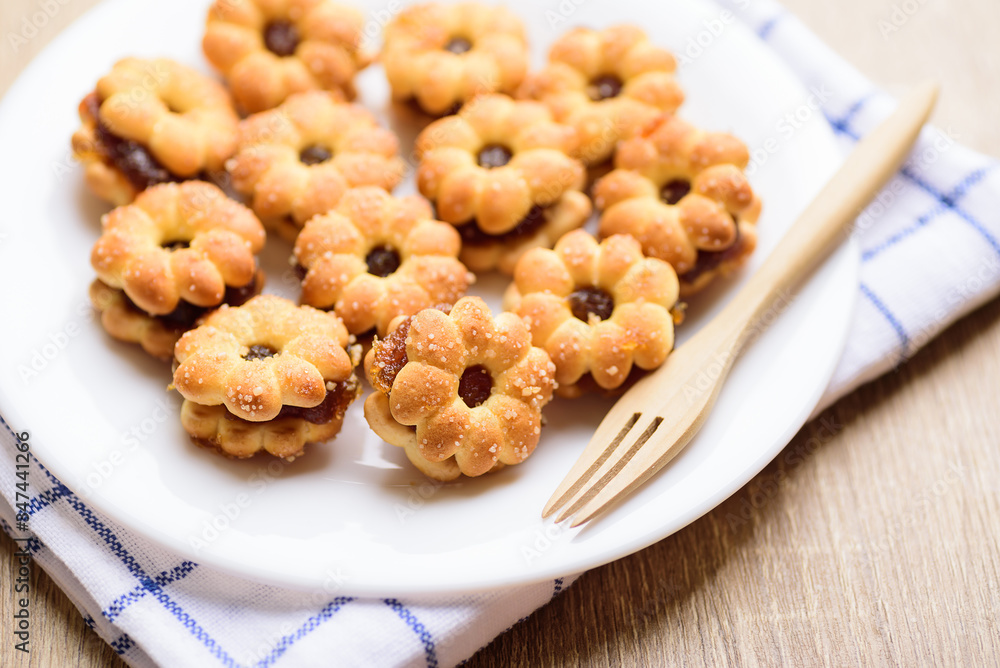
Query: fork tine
x=619, y=421
x=609, y=434
x=663, y=395
x=619, y=454
x=653, y=455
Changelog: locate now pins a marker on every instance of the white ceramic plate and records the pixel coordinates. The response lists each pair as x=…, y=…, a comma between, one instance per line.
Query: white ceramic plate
x=353, y=514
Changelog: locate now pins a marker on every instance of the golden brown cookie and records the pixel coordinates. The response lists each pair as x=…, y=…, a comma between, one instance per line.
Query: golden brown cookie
x=376, y=257
x=149, y=122
x=683, y=194
x=501, y=170
x=608, y=84
x=596, y=309
x=461, y=392
x=268, y=375
x=176, y=252
x=270, y=49
x=442, y=56
x=298, y=160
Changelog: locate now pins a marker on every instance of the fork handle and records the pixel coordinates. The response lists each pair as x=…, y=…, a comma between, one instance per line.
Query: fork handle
x=611, y=466
x=870, y=165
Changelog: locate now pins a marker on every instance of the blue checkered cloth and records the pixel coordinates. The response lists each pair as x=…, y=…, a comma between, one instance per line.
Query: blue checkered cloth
x=929, y=255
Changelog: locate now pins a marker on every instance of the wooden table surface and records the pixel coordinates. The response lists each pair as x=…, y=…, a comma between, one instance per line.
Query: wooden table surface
x=872, y=542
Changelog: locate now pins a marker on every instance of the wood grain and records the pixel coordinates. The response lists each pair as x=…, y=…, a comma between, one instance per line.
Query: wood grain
x=870, y=540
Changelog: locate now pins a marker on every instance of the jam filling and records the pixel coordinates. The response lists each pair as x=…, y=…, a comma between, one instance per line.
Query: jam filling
x=586, y=302
x=709, y=260
x=604, y=87
x=281, y=38
x=315, y=155
x=531, y=223
x=390, y=357
x=494, y=155
x=131, y=158
x=390, y=353
x=186, y=314
x=458, y=45
x=259, y=352
x=674, y=191
x=475, y=386
x=382, y=261
x=333, y=405
x=183, y=317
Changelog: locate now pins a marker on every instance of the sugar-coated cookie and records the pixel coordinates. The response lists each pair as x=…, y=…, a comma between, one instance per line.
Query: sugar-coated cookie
x=462, y=392
x=608, y=84
x=503, y=172
x=149, y=122
x=271, y=49
x=266, y=376
x=596, y=309
x=682, y=192
x=442, y=55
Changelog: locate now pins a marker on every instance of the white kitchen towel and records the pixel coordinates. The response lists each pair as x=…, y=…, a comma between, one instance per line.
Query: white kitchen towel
x=929, y=255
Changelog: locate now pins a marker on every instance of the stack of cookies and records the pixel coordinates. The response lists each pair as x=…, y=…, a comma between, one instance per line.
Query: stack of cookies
x=510, y=164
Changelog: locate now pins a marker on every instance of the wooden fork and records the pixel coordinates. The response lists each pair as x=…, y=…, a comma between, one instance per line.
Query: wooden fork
x=655, y=419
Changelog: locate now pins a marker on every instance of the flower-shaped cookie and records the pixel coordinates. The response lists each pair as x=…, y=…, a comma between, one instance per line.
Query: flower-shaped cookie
x=608, y=84
x=501, y=170
x=150, y=122
x=441, y=55
x=270, y=49
x=461, y=392
x=175, y=252
x=298, y=160
x=682, y=193
x=596, y=309
x=376, y=257
x=268, y=375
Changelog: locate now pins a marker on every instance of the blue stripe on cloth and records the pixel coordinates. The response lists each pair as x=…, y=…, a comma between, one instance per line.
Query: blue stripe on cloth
x=976, y=225
x=904, y=339
x=844, y=122
x=972, y=179
x=154, y=586
x=430, y=652
x=166, y=577
x=123, y=644
x=45, y=499
x=114, y=544
x=32, y=545
x=194, y=628
x=764, y=31
x=308, y=627
x=943, y=198
x=902, y=234
x=98, y=527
